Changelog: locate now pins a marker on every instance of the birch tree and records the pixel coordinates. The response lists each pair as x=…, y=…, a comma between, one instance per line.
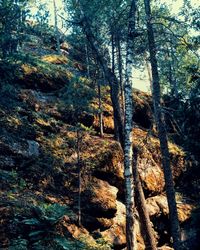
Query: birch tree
x=56, y=28
x=128, y=140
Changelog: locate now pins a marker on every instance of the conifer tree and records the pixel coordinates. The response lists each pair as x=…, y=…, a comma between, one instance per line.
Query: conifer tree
x=169, y=185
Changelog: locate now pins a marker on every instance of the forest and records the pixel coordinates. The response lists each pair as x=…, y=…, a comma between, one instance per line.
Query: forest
x=99, y=125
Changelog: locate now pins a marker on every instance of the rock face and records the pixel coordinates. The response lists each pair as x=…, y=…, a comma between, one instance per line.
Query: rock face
x=157, y=205
x=142, y=108
x=39, y=155
x=149, y=161
x=100, y=199
x=116, y=234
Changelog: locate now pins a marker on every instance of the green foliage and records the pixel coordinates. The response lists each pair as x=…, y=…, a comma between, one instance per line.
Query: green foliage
x=83, y=244
x=66, y=244
x=18, y=244
x=42, y=225
x=43, y=232
x=78, y=96
x=48, y=215
x=12, y=179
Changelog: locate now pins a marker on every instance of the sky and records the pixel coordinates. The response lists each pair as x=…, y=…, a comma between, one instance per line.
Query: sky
x=140, y=78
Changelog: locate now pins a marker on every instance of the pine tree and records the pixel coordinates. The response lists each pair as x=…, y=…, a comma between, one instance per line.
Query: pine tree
x=169, y=185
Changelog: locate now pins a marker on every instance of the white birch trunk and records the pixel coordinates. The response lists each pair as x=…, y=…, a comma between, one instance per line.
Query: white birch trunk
x=128, y=148
x=56, y=28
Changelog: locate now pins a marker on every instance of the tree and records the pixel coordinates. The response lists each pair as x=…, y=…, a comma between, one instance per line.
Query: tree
x=78, y=89
x=169, y=185
x=10, y=26
x=146, y=226
x=57, y=35
x=128, y=141
x=99, y=53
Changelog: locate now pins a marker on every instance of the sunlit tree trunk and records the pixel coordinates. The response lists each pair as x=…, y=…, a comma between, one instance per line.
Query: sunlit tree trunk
x=146, y=225
x=116, y=132
x=169, y=185
x=56, y=28
x=120, y=71
x=128, y=140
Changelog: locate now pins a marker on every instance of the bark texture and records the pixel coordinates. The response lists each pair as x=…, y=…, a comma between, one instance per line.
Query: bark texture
x=169, y=185
x=56, y=28
x=128, y=140
x=146, y=225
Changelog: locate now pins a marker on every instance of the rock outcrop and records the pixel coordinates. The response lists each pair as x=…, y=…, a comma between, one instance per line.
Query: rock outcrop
x=40, y=159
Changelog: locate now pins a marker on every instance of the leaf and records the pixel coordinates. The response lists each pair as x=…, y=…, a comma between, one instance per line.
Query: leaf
x=65, y=244
x=36, y=233
x=31, y=222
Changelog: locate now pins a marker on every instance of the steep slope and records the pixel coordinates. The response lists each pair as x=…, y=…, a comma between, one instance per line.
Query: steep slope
x=40, y=104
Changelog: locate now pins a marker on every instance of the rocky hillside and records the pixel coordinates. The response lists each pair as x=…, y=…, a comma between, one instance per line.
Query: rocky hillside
x=40, y=102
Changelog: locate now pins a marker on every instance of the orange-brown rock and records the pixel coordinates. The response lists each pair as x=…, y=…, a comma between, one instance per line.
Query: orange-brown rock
x=149, y=160
x=100, y=199
x=116, y=234
x=158, y=205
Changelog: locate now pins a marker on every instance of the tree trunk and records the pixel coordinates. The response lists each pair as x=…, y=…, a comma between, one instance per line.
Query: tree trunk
x=146, y=225
x=100, y=111
x=120, y=72
x=87, y=60
x=169, y=185
x=109, y=76
x=56, y=28
x=116, y=129
x=128, y=140
x=148, y=67
x=113, y=52
x=79, y=174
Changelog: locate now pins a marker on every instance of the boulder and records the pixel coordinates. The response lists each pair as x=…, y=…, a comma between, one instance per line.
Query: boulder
x=149, y=161
x=158, y=205
x=109, y=165
x=116, y=234
x=99, y=199
x=36, y=76
x=33, y=148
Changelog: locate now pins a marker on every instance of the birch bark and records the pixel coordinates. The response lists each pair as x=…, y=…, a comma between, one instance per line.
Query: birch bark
x=128, y=140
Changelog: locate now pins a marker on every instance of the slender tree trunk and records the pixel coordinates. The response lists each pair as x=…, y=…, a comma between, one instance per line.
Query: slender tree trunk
x=149, y=72
x=128, y=140
x=113, y=52
x=120, y=72
x=87, y=60
x=169, y=185
x=146, y=225
x=100, y=110
x=79, y=175
x=56, y=28
x=116, y=129
x=173, y=81
x=109, y=76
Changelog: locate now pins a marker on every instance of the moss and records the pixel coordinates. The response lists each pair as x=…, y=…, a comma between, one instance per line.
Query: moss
x=55, y=59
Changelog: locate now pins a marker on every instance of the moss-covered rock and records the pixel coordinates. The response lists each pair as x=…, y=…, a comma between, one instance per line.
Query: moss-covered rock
x=100, y=199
